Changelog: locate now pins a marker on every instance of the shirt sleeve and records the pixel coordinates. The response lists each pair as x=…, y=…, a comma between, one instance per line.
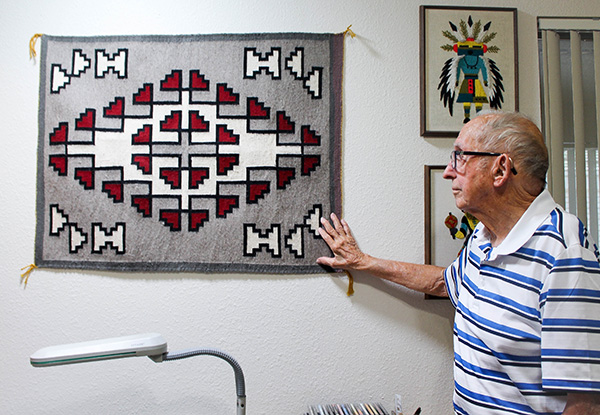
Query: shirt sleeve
x=570, y=312
x=453, y=277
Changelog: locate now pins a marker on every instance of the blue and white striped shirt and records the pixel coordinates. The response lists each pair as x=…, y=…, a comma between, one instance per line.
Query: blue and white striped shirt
x=527, y=324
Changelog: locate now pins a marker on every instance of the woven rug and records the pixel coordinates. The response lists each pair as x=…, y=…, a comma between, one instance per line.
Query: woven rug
x=211, y=153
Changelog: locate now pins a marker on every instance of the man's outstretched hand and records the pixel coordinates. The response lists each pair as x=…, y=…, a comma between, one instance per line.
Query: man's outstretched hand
x=346, y=253
x=348, y=256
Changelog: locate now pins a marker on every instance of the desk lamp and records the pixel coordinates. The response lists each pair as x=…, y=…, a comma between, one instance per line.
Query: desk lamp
x=151, y=344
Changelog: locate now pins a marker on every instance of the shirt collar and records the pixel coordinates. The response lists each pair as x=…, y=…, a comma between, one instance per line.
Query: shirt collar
x=523, y=230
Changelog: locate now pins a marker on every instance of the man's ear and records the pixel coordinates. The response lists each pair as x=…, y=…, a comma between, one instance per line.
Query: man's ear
x=501, y=170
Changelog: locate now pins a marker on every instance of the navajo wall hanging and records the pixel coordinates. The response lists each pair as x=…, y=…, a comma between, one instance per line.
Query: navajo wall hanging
x=209, y=153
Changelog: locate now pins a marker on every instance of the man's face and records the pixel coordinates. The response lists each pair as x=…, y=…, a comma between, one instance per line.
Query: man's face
x=471, y=180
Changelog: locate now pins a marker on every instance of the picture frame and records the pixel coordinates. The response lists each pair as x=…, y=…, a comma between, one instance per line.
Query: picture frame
x=451, y=75
x=440, y=247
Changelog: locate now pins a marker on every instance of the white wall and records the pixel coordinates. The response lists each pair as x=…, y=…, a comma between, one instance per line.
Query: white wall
x=299, y=339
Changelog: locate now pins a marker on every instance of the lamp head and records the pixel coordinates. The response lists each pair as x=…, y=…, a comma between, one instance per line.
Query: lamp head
x=150, y=344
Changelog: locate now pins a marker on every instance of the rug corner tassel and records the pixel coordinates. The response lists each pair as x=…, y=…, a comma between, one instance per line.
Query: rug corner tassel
x=350, y=291
x=32, y=41
x=25, y=276
x=349, y=31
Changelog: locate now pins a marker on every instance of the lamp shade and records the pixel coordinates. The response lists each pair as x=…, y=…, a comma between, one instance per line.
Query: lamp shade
x=150, y=344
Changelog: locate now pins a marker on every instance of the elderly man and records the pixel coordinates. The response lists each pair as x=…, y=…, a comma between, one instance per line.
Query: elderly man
x=526, y=288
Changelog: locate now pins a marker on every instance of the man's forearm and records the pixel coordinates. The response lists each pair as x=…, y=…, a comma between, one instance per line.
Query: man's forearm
x=582, y=404
x=428, y=279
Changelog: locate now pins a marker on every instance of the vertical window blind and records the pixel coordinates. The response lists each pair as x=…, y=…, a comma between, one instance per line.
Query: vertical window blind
x=570, y=86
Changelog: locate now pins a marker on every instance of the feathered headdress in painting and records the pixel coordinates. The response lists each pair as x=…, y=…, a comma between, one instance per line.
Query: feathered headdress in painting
x=470, y=77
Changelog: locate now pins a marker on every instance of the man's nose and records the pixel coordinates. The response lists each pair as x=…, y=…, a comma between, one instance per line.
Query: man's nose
x=449, y=172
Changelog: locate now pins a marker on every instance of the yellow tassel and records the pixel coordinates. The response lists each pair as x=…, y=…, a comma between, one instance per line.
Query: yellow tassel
x=350, y=284
x=34, y=39
x=349, y=31
x=25, y=275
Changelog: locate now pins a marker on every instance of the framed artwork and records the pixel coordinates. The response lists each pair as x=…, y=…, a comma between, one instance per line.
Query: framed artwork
x=441, y=246
x=468, y=63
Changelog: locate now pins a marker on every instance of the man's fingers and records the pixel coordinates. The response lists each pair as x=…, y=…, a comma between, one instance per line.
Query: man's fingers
x=346, y=228
x=336, y=228
x=336, y=223
x=325, y=261
x=334, y=231
x=326, y=225
x=325, y=235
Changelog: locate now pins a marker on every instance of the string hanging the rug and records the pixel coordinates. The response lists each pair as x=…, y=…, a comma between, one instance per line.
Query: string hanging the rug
x=350, y=284
x=29, y=269
x=350, y=291
x=349, y=31
x=32, y=41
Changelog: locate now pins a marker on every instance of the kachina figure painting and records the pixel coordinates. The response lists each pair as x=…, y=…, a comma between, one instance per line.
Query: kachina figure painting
x=470, y=77
x=468, y=63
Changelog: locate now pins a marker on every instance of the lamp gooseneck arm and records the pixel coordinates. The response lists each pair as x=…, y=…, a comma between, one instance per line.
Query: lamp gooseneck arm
x=240, y=384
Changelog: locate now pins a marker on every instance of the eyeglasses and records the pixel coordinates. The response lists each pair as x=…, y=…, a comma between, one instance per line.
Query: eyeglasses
x=457, y=156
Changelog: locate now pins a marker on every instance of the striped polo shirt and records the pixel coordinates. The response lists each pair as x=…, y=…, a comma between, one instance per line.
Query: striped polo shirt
x=527, y=323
